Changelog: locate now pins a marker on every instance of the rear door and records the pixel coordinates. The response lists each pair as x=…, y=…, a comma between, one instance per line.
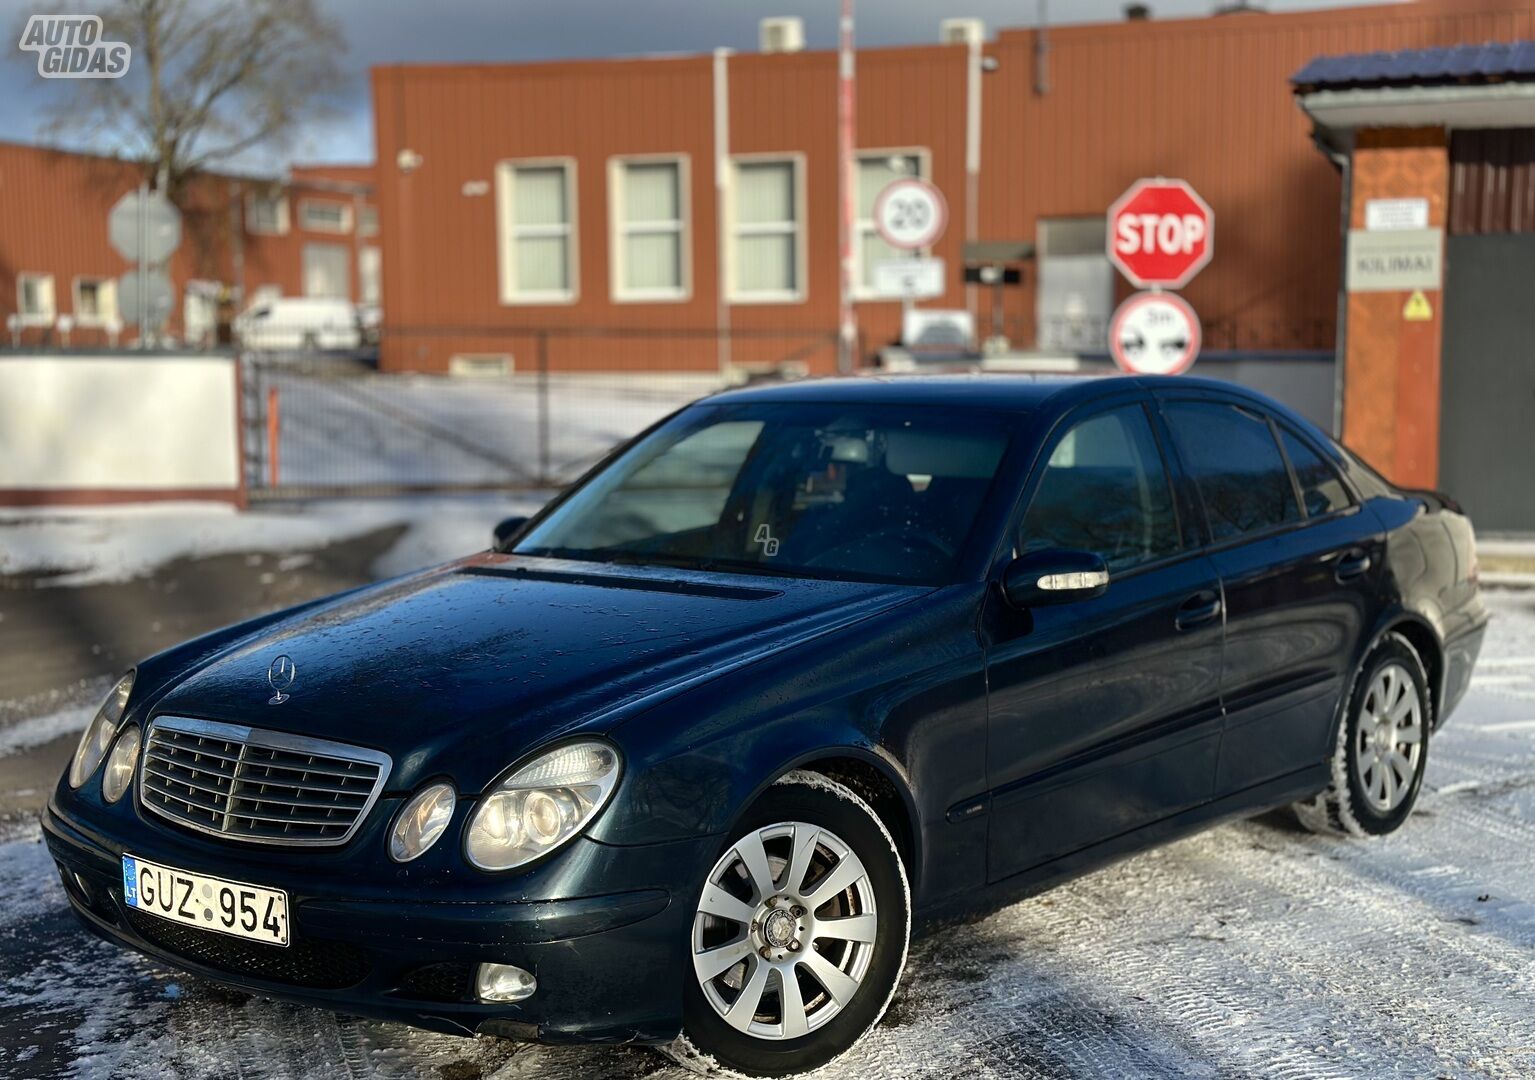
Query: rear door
x=1299, y=562
x=1104, y=714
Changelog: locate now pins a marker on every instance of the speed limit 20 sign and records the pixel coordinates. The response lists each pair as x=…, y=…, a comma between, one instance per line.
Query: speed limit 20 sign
x=1161, y=233
x=910, y=213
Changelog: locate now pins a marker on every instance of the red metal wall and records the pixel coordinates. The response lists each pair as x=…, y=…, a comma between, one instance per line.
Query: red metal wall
x=1205, y=99
x=1208, y=100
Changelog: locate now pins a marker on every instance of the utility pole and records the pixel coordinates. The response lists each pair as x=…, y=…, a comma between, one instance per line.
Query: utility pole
x=847, y=120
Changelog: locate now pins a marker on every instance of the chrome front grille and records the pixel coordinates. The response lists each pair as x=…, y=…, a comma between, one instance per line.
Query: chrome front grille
x=258, y=786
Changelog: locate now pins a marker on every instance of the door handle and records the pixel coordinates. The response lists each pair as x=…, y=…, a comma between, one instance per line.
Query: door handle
x=1351, y=565
x=1204, y=606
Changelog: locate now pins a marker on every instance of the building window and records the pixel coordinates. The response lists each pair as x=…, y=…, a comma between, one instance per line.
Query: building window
x=876, y=168
x=370, y=276
x=95, y=301
x=1074, y=295
x=323, y=216
x=767, y=224
x=327, y=270
x=34, y=299
x=535, y=213
x=367, y=221
x=648, y=205
x=266, y=214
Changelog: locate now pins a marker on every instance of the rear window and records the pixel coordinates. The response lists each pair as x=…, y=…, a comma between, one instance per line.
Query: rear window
x=1322, y=490
x=1237, y=465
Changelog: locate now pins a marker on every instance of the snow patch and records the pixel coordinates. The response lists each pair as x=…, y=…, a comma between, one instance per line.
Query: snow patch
x=40, y=730
x=115, y=544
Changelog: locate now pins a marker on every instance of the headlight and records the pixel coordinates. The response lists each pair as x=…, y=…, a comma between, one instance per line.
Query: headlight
x=421, y=822
x=98, y=733
x=541, y=805
x=119, y=773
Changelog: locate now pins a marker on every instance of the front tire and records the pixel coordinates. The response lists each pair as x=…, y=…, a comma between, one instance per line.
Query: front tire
x=799, y=935
x=1382, y=749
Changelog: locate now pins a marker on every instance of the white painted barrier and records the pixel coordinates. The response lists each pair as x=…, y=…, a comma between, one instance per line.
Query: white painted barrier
x=119, y=427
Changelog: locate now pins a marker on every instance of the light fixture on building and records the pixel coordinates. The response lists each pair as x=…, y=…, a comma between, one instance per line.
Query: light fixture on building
x=474, y=188
x=408, y=160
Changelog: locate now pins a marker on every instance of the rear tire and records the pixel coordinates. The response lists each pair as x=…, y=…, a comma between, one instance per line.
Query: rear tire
x=811, y=889
x=1382, y=748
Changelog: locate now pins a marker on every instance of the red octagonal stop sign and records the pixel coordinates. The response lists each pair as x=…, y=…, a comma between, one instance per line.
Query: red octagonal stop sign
x=1161, y=233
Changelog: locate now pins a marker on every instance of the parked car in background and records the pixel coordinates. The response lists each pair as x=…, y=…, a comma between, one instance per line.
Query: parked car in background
x=683, y=758
x=299, y=324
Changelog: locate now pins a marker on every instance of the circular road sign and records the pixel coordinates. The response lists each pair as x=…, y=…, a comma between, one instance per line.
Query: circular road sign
x=1154, y=333
x=1161, y=233
x=151, y=239
x=151, y=308
x=910, y=213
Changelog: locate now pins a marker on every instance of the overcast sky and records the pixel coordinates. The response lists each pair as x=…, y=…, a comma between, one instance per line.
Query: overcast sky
x=395, y=31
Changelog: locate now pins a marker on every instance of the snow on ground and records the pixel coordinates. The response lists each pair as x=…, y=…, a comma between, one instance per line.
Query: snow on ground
x=1253, y=950
x=106, y=544
x=40, y=730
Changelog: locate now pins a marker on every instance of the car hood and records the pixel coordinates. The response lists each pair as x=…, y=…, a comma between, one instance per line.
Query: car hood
x=463, y=669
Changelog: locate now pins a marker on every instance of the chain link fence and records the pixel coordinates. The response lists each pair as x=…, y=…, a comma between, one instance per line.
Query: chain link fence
x=524, y=409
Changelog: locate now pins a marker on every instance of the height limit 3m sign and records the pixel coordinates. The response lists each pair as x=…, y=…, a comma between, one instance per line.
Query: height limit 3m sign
x=1161, y=233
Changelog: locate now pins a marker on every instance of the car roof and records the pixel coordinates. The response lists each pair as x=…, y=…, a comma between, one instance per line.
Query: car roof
x=1010, y=392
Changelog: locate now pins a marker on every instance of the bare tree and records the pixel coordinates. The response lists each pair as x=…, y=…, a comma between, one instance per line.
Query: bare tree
x=210, y=80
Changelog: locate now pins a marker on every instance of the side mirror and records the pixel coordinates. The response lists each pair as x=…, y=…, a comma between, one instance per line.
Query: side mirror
x=506, y=531
x=1054, y=576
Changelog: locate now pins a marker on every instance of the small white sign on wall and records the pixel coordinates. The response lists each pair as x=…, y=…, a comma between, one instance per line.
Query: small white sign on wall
x=1387, y=215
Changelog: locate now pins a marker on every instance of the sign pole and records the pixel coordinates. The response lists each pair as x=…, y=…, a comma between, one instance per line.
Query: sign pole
x=143, y=266
x=846, y=126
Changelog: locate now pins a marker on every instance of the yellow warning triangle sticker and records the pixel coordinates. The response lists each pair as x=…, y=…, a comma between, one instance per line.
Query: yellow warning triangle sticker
x=1417, y=308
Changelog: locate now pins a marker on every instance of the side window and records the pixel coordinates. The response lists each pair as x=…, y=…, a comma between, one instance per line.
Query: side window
x=1104, y=490
x=1321, y=488
x=1237, y=465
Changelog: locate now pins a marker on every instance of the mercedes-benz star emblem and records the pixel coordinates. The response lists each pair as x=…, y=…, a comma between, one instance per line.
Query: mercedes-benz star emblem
x=281, y=675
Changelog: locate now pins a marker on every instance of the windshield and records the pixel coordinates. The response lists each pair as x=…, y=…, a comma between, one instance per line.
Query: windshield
x=882, y=493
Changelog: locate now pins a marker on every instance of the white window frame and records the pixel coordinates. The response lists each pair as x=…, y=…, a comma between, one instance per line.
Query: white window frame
x=345, y=227
x=99, y=319
x=250, y=215
x=506, y=171
x=801, y=292
x=43, y=318
x=377, y=256
x=863, y=226
x=367, y=220
x=619, y=228
x=349, y=256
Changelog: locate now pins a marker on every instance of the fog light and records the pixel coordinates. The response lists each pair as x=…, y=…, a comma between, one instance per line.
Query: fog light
x=503, y=982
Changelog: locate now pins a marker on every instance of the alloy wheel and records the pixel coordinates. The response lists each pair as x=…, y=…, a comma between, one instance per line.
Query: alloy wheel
x=784, y=930
x=1388, y=744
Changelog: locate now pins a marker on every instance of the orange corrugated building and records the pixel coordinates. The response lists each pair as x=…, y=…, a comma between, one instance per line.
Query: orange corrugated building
x=1065, y=122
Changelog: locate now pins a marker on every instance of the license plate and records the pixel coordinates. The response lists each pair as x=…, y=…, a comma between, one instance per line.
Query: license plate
x=209, y=903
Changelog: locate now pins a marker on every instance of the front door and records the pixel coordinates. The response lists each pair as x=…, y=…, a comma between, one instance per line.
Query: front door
x=1299, y=562
x=1104, y=714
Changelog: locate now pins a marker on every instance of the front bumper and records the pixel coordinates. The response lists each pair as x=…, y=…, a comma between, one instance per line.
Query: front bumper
x=411, y=955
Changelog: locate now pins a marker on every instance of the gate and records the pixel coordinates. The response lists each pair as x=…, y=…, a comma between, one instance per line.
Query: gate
x=328, y=424
x=1486, y=437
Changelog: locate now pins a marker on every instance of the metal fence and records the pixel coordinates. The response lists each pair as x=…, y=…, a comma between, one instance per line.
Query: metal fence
x=500, y=410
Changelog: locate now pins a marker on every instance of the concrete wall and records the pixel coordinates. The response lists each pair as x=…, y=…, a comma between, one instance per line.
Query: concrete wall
x=78, y=429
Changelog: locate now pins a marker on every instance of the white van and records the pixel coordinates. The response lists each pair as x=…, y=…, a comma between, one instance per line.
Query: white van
x=299, y=324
